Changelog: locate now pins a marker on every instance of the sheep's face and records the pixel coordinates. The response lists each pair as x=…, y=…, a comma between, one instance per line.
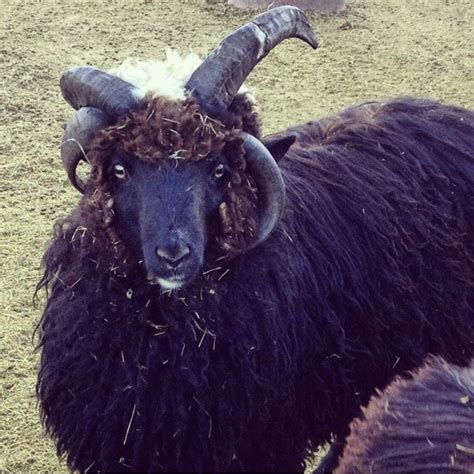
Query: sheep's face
x=177, y=188
x=166, y=212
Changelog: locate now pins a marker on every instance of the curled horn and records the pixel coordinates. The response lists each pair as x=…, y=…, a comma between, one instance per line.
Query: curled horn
x=216, y=81
x=77, y=136
x=271, y=188
x=87, y=86
x=98, y=97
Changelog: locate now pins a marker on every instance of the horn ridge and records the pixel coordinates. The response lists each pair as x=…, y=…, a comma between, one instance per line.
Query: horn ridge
x=217, y=80
x=286, y=22
x=86, y=86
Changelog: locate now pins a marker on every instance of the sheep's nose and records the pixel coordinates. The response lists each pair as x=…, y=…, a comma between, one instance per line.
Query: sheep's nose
x=173, y=255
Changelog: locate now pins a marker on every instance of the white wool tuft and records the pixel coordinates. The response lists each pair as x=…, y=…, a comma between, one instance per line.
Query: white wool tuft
x=165, y=78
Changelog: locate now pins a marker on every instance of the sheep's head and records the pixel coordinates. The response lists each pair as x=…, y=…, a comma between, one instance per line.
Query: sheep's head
x=175, y=184
x=181, y=179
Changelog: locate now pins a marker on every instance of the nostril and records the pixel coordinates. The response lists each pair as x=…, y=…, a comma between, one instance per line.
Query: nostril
x=173, y=255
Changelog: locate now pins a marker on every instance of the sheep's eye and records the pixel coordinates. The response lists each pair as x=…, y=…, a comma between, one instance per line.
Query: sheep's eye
x=119, y=171
x=219, y=171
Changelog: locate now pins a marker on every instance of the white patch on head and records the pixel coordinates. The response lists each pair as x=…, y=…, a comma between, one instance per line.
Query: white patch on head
x=166, y=78
x=169, y=284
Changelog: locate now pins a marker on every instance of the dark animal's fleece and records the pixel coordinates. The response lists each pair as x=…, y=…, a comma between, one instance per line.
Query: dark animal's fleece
x=424, y=424
x=370, y=269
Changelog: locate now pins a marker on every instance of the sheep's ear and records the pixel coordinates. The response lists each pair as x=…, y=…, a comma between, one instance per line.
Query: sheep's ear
x=278, y=145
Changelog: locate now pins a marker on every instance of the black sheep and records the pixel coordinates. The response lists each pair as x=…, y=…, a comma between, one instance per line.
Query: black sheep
x=422, y=424
x=282, y=315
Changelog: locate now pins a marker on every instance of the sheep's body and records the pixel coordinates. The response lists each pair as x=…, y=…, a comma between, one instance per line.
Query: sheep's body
x=424, y=424
x=370, y=269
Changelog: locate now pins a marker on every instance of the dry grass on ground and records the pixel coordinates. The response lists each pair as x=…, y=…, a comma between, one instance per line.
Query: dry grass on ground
x=375, y=49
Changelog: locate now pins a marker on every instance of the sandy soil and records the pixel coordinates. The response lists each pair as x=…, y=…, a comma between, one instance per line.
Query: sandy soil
x=375, y=49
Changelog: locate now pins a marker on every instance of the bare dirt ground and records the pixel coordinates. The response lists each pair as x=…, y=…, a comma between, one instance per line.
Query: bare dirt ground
x=373, y=50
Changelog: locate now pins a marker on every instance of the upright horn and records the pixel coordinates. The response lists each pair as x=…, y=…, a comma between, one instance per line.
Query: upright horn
x=216, y=81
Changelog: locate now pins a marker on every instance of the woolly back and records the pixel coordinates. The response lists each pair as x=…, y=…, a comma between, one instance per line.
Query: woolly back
x=386, y=193
x=420, y=424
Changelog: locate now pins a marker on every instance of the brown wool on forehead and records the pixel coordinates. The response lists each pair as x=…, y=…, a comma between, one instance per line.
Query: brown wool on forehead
x=161, y=129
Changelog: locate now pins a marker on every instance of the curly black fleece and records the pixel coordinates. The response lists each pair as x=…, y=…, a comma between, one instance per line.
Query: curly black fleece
x=370, y=269
x=422, y=424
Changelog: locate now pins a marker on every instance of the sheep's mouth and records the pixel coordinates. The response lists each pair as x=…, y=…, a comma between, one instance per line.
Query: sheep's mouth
x=170, y=283
x=171, y=275
x=171, y=280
